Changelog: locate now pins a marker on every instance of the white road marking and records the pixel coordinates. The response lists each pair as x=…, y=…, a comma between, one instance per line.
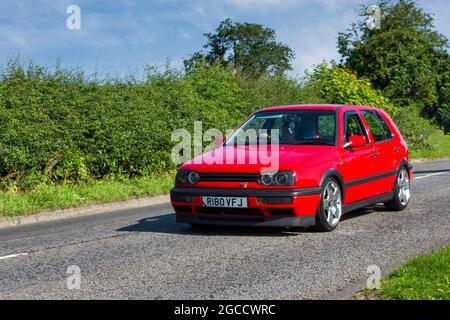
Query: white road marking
x=431, y=175
x=13, y=256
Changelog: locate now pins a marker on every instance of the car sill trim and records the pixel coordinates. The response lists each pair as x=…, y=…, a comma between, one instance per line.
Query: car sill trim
x=368, y=202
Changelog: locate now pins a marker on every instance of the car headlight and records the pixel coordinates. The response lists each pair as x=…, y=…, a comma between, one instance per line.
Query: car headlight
x=187, y=177
x=193, y=177
x=266, y=179
x=280, y=178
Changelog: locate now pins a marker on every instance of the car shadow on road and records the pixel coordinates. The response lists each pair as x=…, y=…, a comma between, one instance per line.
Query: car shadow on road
x=166, y=223
x=363, y=212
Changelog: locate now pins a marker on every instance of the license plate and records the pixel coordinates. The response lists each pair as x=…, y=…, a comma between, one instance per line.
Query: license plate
x=225, y=202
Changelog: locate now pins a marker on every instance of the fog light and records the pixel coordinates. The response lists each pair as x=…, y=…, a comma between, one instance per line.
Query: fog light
x=183, y=199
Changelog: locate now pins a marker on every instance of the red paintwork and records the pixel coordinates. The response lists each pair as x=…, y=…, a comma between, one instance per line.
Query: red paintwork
x=311, y=162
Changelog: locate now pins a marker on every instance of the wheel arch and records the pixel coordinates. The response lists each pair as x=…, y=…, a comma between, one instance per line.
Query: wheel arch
x=333, y=173
x=403, y=164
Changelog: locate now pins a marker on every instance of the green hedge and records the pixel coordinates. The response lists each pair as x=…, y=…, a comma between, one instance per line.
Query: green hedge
x=61, y=126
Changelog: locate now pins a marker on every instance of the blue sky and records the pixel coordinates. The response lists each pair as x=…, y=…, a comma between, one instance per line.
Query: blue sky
x=119, y=37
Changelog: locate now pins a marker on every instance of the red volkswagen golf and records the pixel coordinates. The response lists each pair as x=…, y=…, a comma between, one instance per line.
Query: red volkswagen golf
x=292, y=166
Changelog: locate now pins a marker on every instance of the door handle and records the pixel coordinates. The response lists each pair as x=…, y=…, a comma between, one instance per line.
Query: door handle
x=374, y=155
x=397, y=149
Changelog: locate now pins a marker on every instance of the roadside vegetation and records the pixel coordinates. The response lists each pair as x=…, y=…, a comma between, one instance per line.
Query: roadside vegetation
x=58, y=196
x=69, y=139
x=439, y=147
x=425, y=277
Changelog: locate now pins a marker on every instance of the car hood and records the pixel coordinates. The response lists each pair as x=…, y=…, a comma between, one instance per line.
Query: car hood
x=252, y=159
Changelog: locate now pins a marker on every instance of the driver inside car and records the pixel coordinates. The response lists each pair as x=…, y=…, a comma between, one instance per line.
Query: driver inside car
x=289, y=132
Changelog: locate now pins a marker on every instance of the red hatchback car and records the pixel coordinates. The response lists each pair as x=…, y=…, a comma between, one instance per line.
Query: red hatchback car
x=329, y=160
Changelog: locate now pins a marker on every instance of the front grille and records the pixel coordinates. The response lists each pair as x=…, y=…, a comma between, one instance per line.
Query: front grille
x=229, y=177
x=185, y=199
x=231, y=211
x=278, y=200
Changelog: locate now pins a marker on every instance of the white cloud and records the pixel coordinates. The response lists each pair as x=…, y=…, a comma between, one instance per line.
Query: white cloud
x=314, y=43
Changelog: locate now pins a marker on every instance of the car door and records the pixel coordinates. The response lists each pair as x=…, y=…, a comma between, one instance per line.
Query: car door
x=357, y=163
x=385, y=160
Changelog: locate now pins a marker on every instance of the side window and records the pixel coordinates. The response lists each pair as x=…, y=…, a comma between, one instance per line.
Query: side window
x=379, y=131
x=354, y=126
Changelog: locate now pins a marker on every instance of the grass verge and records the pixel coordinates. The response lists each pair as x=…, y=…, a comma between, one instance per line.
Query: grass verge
x=425, y=277
x=49, y=197
x=440, y=148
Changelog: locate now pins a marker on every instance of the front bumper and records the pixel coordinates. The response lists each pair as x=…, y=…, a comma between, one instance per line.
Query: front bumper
x=247, y=222
x=300, y=212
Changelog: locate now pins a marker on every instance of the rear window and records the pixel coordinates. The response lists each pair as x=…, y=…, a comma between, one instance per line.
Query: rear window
x=377, y=125
x=386, y=129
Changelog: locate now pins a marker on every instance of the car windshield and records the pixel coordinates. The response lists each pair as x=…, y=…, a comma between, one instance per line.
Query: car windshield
x=296, y=127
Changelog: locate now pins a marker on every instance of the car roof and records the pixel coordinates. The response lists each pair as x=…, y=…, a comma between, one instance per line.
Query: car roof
x=315, y=107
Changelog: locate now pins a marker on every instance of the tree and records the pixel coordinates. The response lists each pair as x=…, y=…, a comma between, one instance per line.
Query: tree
x=339, y=85
x=406, y=59
x=247, y=48
x=443, y=108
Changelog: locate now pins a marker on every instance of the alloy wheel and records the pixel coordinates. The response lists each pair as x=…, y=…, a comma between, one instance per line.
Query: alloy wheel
x=404, y=193
x=332, y=203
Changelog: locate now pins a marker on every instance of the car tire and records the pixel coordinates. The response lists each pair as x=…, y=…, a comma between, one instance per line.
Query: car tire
x=330, y=211
x=402, y=193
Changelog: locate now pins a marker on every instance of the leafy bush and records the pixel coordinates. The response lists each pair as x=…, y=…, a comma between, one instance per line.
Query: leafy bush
x=443, y=109
x=339, y=85
x=278, y=90
x=415, y=129
x=60, y=126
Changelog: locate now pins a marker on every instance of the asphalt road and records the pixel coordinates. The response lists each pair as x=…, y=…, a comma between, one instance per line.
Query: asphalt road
x=143, y=254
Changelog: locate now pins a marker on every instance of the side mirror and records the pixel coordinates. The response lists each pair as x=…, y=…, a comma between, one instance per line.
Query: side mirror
x=356, y=142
